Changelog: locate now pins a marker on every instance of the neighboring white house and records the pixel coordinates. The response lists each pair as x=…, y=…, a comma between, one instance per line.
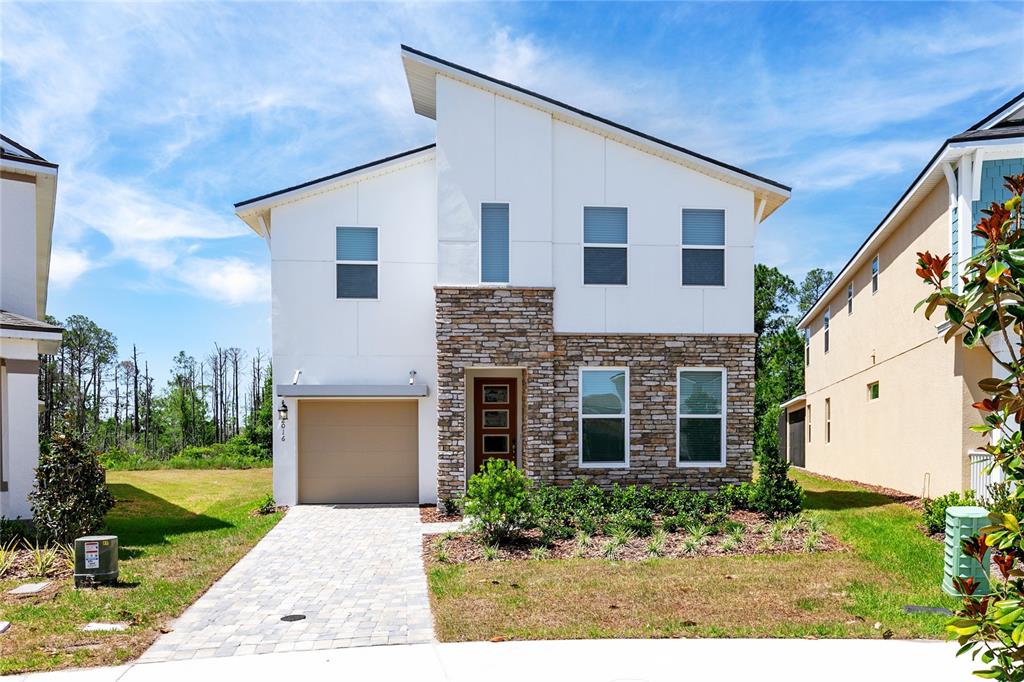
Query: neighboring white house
x=541, y=285
x=28, y=185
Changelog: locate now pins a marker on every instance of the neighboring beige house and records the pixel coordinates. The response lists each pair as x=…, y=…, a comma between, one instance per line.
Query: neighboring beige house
x=28, y=185
x=886, y=401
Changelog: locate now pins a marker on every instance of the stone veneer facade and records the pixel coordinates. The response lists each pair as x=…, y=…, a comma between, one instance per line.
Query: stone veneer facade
x=513, y=327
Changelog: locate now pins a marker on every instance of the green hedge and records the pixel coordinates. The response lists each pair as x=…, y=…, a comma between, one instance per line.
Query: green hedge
x=237, y=453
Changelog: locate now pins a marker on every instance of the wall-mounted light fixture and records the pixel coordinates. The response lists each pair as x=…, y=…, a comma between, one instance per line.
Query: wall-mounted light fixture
x=412, y=377
x=282, y=414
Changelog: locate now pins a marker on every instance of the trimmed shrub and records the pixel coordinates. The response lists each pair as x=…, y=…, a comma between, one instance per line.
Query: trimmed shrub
x=70, y=498
x=735, y=496
x=774, y=493
x=498, y=500
x=934, y=511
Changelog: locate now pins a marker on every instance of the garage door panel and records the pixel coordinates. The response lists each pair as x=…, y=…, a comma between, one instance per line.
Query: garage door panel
x=358, y=452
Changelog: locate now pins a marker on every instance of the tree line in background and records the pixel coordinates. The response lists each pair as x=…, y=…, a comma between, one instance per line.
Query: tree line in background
x=779, y=303
x=215, y=410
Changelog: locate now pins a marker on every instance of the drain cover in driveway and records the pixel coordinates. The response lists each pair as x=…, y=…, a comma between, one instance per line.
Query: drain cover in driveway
x=291, y=618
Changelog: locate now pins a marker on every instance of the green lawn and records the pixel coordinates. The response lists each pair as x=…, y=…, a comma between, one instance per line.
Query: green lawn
x=889, y=564
x=178, y=532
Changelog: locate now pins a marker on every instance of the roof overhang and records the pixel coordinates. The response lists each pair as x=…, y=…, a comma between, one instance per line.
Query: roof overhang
x=794, y=402
x=43, y=175
x=422, y=69
x=927, y=179
x=256, y=212
x=351, y=391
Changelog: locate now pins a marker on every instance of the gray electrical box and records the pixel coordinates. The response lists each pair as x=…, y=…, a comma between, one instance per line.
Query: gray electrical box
x=95, y=560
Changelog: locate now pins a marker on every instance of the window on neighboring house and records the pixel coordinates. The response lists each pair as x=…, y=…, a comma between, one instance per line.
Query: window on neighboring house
x=808, y=423
x=874, y=274
x=828, y=420
x=873, y=391
x=494, y=243
x=849, y=299
x=604, y=416
x=357, y=262
x=700, y=438
x=828, y=314
x=605, y=239
x=703, y=250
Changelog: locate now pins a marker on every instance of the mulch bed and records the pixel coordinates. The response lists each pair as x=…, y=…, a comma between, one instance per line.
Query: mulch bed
x=429, y=513
x=23, y=571
x=467, y=547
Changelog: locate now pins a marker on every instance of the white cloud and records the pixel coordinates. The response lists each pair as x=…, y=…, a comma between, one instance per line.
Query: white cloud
x=229, y=280
x=846, y=167
x=67, y=265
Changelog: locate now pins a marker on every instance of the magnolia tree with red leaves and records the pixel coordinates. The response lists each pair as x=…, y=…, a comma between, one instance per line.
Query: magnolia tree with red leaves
x=988, y=311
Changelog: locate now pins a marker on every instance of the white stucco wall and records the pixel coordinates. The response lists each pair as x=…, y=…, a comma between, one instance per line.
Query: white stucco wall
x=18, y=247
x=490, y=148
x=337, y=341
x=20, y=428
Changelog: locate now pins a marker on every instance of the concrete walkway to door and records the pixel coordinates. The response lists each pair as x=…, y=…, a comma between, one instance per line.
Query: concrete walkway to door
x=355, y=573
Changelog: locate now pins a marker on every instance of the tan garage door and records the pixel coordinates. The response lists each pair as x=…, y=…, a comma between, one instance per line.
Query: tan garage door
x=357, y=451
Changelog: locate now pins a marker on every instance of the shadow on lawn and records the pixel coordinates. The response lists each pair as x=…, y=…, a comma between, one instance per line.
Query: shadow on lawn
x=141, y=519
x=834, y=500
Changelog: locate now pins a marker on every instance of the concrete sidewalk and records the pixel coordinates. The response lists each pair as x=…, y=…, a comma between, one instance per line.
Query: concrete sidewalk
x=675, y=660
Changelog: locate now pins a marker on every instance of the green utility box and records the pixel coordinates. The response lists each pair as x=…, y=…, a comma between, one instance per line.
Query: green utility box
x=95, y=560
x=962, y=523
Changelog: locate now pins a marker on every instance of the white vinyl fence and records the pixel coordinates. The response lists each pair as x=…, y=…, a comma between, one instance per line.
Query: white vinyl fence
x=980, y=478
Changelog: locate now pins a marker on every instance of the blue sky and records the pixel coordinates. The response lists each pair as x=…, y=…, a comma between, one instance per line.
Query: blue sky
x=161, y=116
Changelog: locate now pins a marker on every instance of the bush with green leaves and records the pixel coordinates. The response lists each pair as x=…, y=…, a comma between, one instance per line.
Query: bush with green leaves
x=735, y=496
x=498, y=500
x=773, y=493
x=1002, y=498
x=70, y=498
x=986, y=310
x=934, y=511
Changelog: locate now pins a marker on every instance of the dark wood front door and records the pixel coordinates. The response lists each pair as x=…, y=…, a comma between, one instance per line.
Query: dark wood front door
x=495, y=420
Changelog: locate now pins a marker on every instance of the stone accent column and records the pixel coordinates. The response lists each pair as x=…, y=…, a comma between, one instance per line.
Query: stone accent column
x=494, y=327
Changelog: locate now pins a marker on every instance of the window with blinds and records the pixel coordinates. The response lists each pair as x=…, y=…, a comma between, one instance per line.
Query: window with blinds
x=700, y=437
x=357, y=262
x=605, y=239
x=604, y=416
x=494, y=243
x=703, y=247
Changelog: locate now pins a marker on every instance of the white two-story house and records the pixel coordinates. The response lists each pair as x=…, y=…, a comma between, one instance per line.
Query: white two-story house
x=28, y=185
x=540, y=285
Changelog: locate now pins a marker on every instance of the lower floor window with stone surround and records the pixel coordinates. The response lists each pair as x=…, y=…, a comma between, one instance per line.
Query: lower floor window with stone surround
x=604, y=416
x=701, y=430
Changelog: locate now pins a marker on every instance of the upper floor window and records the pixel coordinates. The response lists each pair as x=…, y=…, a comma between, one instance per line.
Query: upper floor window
x=828, y=314
x=605, y=239
x=604, y=416
x=849, y=299
x=700, y=434
x=703, y=247
x=356, y=262
x=494, y=243
x=873, y=391
x=807, y=346
x=874, y=274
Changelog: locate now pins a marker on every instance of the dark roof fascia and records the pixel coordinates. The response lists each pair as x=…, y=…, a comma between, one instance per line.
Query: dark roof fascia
x=906, y=193
x=990, y=134
x=334, y=176
x=25, y=159
x=971, y=135
x=595, y=117
x=21, y=147
x=32, y=327
x=1012, y=102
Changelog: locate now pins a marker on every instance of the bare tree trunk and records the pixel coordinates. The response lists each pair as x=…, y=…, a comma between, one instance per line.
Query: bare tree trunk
x=135, y=391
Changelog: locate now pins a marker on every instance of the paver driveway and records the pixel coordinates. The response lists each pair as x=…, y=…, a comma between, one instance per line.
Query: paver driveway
x=355, y=573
